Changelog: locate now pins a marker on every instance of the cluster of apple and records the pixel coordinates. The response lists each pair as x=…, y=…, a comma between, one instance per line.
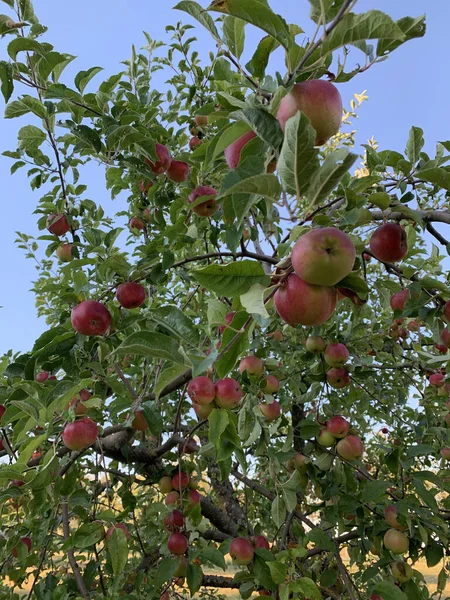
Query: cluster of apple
x=336, y=432
x=395, y=540
x=254, y=368
x=242, y=550
x=207, y=395
x=336, y=356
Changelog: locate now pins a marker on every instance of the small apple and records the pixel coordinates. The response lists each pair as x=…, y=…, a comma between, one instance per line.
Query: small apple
x=402, y=571
x=174, y=521
x=120, y=526
x=325, y=439
x=398, y=300
x=42, y=376
x=233, y=151
x=137, y=223
x=271, y=411
x=177, y=544
x=350, y=447
x=272, y=385
x=2, y=411
x=445, y=337
x=389, y=243
x=26, y=541
x=390, y=514
x=57, y=224
x=315, y=344
x=228, y=318
x=396, y=541
x=91, y=318
x=81, y=434
x=278, y=335
x=165, y=484
x=338, y=378
x=252, y=365
x=201, y=120
x=145, y=186
x=228, y=393
x=338, y=426
x=445, y=453
x=131, y=294
x=299, y=462
x=139, y=422
x=172, y=499
x=77, y=402
x=260, y=541
x=64, y=252
x=207, y=208
x=437, y=380
x=201, y=390
x=180, y=481
x=194, y=142
x=178, y=171
x=163, y=162
x=193, y=498
x=336, y=355
x=241, y=551
x=203, y=410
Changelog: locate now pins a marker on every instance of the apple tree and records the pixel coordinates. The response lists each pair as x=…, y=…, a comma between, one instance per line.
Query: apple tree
x=250, y=359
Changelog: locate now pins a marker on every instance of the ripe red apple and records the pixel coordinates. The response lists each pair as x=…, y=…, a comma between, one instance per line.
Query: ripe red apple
x=396, y=541
x=91, y=318
x=172, y=499
x=233, y=151
x=272, y=385
x=201, y=120
x=298, y=302
x=228, y=393
x=336, y=355
x=241, y=551
x=325, y=439
x=77, y=402
x=338, y=426
x=178, y=171
x=398, y=300
x=57, y=224
x=338, y=378
x=228, y=318
x=350, y=448
x=271, y=411
x=385, y=430
x=320, y=101
x=163, y=162
x=131, y=294
x=203, y=410
x=180, y=481
x=445, y=453
x=315, y=344
x=445, y=337
x=193, y=498
x=16, y=483
x=80, y=434
x=323, y=256
x=165, y=484
x=194, y=142
x=64, y=252
x=207, y=208
x=174, y=521
x=389, y=242
x=201, y=390
x=437, y=380
x=177, y=544
x=137, y=223
x=145, y=186
x=25, y=540
x=252, y=365
x=139, y=422
x=2, y=411
x=43, y=376
x=260, y=541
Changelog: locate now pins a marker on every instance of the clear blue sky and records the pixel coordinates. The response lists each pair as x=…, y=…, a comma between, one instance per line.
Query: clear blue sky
x=410, y=88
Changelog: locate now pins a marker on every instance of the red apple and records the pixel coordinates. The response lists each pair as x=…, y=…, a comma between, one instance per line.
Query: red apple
x=299, y=302
x=139, y=422
x=178, y=171
x=350, y=448
x=43, y=376
x=271, y=411
x=228, y=393
x=389, y=243
x=172, y=498
x=272, y=385
x=120, y=526
x=260, y=541
x=396, y=541
x=445, y=453
x=201, y=390
x=163, y=162
x=91, y=318
x=325, y=439
x=137, y=223
x=16, y=483
x=445, y=337
x=193, y=498
x=145, y=186
x=57, y=224
x=228, y=318
x=278, y=335
x=315, y=344
x=203, y=410
x=272, y=167
x=338, y=426
x=390, y=514
x=194, y=143
x=233, y=151
x=131, y=294
x=252, y=365
x=338, y=378
x=241, y=551
x=64, y=252
x=174, y=521
x=323, y=256
x=398, y=300
x=77, y=402
x=320, y=101
x=180, y=481
x=367, y=257
x=25, y=540
x=207, y=208
x=437, y=380
x=165, y=484
x=336, y=355
x=2, y=447
x=2, y=411
x=81, y=434
x=177, y=544
x=201, y=120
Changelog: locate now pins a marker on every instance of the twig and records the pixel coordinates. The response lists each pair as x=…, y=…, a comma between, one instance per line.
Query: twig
x=72, y=560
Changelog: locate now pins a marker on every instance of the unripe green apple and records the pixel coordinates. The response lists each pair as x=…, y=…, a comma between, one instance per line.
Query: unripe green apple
x=380, y=199
x=402, y=571
x=325, y=438
x=396, y=541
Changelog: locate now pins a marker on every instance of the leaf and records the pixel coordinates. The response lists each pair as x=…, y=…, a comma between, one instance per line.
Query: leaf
x=149, y=343
x=411, y=27
x=256, y=13
x=325, y=10
x=194, y=576
x=232, y=279
x=278, y=511
x=265, y=125
x=118, y=550
x=84, y=77
x=329, y=174
x=216, y=312
x=227, y=362
x=355, y=283
x=24, y=105
x=278, y=571
x=307, y=588
x=218, y=422
x=214, y=556
x=298, y=158
x=415, y=144
x=31, y=137
x=198, y=12
x=437, y=176
x=153, y=417
x=6, y=78
x=389, y=591
x=234, y=34
x=166, y=570
x=177, y=323
x=264, y=185
x=166, y=376
x=87, y=535
x=253, y=301
x=88, y=136
x=258, y=63
x=49, y=61
x=63, y=393
x=23, y=44
x=230, y=135
x=320, y=539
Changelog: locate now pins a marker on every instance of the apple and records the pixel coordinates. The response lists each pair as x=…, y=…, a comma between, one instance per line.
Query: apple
x=315, y=344
x=139, y=422
x=445, y=453
x=323, y=256
x=201, y=390
x=278, y=335
x=385, y=430
x=272, y=385
x=241, y=551
x=298, y=302
x=272, y=167
x=137, y=223
x=437, y=380
x=81, y=434
x=165, y=484
x=194, y=143
x=120, y=526
x=260, y=541
x=228, y=318
x=252, y=365
x=336, y=355
x=178, y=171
x=325, y=439
x=338, y=378
x=233, y=151
x=271, y=411
x=320, y=101
x=172, y=498
x=163, y=162
x=174, y=521
x=398, y=300
x=2, y=411
x=380, y=199
x=177, y=544
x=25, y=540
x=2, y=447
x=16, y=483
x=402, y=571
x=203, y=410
x=145, y=186
x=338, y=426
x=228, y=393
x=390, y=514
x=131, y=294
x=188, y=446
x=77, y=402
x=299, y=462
x=42, y=376
x=64, y=252
x=193, y=498
x=57, y=224
x=91, y=318
x=180, y=481
x=207, y=208
x=389, y=243
x=201, y=120
x=396, y=541
x=445, y=337
x=350, y=447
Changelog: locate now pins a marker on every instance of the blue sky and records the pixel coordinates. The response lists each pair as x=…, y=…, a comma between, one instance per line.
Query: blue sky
x=409, y=88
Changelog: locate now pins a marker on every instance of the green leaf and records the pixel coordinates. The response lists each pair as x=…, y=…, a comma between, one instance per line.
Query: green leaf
x=118, y=550
x=87, y=535
x=324, y=10
x=149, y=343
x=166, y=570
x=177, y=323
x=22, y=44
x=265, y=125
x=415, y=144
x=320, y=539
x=153, y=417
x=389, y=591
x=6, y=78
x=437, y=176
x=89, y=137
x=411, y=27
x=216, y=312
x=234, y=35
x=166, y=376
x=25, y=105
x=258, y=63
x=230, y=135
x=262, y=572
x=84, y=77
x=307, y=589
x=49, y=61
x=329, y=174
x=278, y=571
x=63, y=393
x=264, y=185
x=355, y=283
x=298, y=158
x=194, y=576
x=31, y=137
x=214, y=556
x=232, y=279
x=198, y=12
x=256, y=13
x=227, y=362
x=278, y=511
x=253, y=301
x=218, y=422
x=426, y=495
